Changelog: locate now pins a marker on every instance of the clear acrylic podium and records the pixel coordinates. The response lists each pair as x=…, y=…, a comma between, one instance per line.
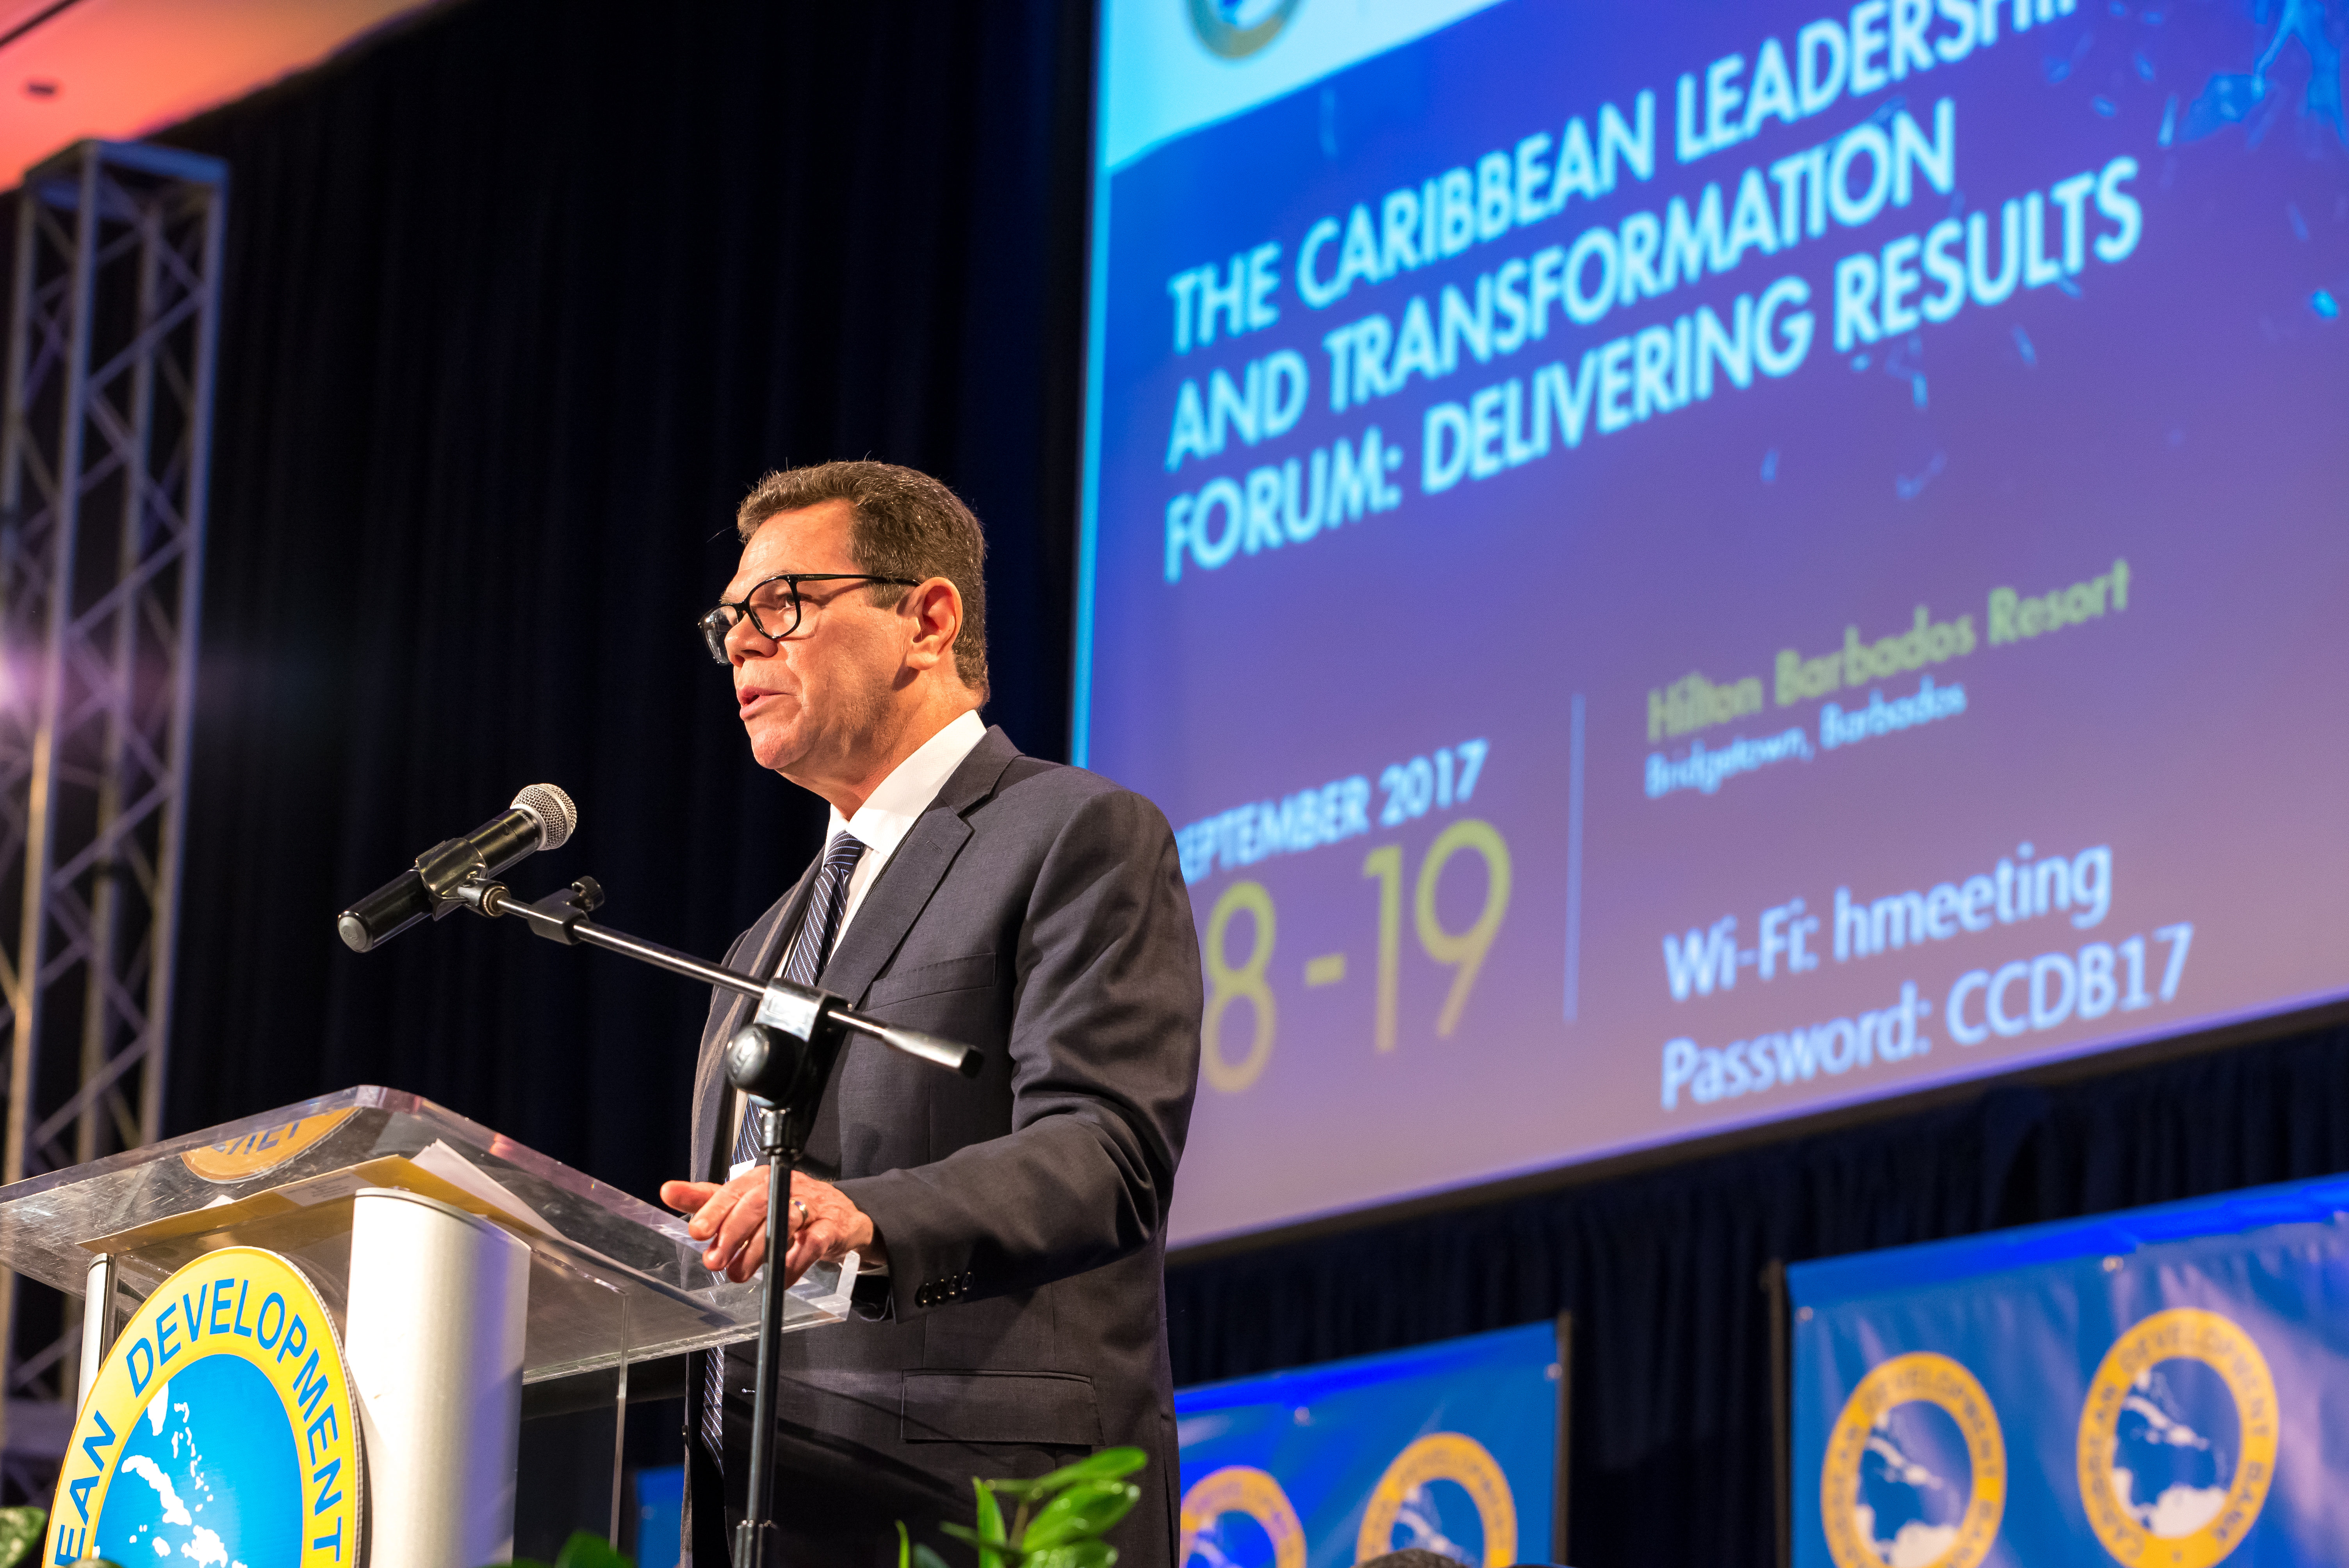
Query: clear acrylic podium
x=593, y=1278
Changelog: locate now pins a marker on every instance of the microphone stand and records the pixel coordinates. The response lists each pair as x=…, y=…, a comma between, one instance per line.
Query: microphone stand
x=781, y=1061
x=786, y=1128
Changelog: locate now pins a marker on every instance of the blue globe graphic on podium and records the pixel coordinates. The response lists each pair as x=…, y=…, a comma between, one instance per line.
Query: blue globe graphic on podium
x=210, y=1477
x=1915, y=1480
x=2174, y=1447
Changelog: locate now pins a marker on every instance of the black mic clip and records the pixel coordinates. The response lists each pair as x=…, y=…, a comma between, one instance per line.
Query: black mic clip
x=448, y=870
x=556, y=917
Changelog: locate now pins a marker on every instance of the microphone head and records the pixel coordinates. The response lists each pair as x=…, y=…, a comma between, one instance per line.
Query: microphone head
x=554, y=811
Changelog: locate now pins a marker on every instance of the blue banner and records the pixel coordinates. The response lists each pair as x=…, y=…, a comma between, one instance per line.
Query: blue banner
x=1450, y=1446
x=2161, y=1389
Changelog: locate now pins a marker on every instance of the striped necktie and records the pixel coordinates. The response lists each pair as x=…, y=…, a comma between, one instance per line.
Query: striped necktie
x=811, y=947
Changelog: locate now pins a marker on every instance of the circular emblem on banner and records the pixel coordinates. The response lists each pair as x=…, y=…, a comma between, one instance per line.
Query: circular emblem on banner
x=1245, y=1489
x=1402, y=1497
x=1916, y=1469
x=2177, y=1441
x=266, y=1150
x=1238, y=28
x=219, y=1429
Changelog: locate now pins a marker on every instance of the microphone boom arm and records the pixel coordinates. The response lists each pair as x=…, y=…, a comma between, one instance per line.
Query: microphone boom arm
x=800, y=1011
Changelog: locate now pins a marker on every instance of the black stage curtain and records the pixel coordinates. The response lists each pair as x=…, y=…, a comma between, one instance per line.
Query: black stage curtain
x=520, y=298
x=1672, y=1421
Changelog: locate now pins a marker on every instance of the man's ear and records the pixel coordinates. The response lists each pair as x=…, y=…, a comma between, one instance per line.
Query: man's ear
x=936, y=606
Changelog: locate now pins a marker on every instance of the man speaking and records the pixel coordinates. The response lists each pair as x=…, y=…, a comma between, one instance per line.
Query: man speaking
x=1033, y=911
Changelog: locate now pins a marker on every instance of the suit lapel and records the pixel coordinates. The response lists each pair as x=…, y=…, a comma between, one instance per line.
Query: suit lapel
x=898, y=896
x=890, y=906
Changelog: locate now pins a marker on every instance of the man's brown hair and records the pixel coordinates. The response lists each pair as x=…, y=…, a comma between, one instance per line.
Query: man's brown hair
x=903, y=523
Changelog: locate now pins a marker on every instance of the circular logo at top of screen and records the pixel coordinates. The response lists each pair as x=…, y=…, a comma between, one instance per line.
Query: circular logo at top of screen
x=1238, y=28
x=1406, y=1496
x=1247, y=1491
x=1916, y=1469
x=219, y=1429
x=2177, y=1441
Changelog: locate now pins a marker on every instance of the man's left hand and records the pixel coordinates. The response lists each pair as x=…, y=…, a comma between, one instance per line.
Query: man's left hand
x=731, y=1220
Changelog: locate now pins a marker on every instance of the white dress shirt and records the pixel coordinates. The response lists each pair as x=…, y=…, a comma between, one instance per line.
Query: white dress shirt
x=881, y=825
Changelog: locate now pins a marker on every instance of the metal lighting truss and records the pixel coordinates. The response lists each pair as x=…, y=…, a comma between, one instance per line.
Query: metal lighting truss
x=103, y=457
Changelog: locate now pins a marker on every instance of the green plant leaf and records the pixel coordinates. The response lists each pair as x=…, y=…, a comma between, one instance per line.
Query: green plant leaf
x=970, y=1537
x=585, y=1550
x=1084, y=1511
x=990, y=1553
x=990, y=1524
x=1110, y=1464
x=21, y=1530
x=1075, y=1554
x=912, y=1553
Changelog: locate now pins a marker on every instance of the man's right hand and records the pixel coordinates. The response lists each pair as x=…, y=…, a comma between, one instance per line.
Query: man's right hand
x=728, y=1220
x=731, y=1221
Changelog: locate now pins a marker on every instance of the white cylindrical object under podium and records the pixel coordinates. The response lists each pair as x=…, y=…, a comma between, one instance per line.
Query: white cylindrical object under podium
x=434, y=1341
x=96, y=1323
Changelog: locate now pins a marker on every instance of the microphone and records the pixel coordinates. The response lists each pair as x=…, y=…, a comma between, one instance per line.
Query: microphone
x=541, y=817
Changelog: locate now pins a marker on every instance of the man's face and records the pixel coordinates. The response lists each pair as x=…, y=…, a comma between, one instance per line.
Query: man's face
x=812, y=702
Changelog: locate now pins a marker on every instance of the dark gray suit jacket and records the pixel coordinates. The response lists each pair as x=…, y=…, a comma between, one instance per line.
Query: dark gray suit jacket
x=1038, y=913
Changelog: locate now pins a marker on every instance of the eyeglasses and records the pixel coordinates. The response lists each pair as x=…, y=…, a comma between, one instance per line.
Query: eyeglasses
x=774, y=606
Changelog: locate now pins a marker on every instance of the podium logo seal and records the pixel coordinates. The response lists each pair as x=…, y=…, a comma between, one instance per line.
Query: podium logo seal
x=2177, y=1441
x=1243, y=1489
x=262, y=1150
x=220, y=1430
x=1916, y=1469
x=1442, y=1456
